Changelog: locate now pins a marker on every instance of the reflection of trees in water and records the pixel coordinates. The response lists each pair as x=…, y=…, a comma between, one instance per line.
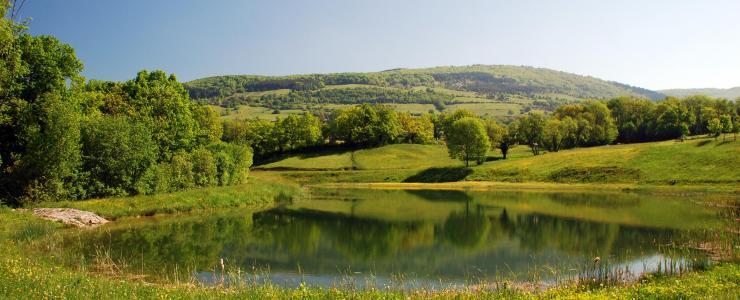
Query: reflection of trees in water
x=356, y=238
x=600, y=200
x=467, y=229
x=283, y=238
x=441, y=195
x=166, y=246
x=538, y=232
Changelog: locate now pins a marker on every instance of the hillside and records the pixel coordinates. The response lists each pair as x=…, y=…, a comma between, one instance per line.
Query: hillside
x=498, y=90
x=731, y=93
x=700, y=161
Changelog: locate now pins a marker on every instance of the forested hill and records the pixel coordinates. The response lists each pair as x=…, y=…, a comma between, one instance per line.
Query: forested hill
x=730, y=94
x=438, y=85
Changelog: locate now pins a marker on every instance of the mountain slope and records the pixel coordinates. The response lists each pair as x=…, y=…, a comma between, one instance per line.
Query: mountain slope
x=497, y=89
x=731, y=93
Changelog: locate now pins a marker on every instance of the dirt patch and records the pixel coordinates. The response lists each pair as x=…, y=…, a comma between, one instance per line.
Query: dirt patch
x=70, y=216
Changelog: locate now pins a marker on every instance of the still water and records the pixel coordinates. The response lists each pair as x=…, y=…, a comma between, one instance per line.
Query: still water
x=407, y=238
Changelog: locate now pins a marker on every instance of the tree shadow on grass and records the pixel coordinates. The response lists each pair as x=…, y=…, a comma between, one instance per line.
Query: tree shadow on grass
x=443, y=174
x=703, y=143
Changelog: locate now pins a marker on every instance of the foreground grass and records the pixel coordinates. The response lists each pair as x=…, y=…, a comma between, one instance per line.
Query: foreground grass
x=31, y=275
x=258, y=192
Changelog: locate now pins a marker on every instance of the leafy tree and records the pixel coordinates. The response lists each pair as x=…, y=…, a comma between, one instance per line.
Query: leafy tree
x=116, y=154
x=633, y=118
x=672, y=119
x=501, y=137
x=297, y=132
x=467, y=140
x=595, y=125
x=210, y=128
x=531, y=130
x=715, y=127
x=232, y=162
x=365, y=125
x=510, y=138
x=446, y=120
x=39, y=116
x=726, y=122
x=205, y=171
x=163, y=102
x=560, y=133
x=50, y=133
x=416, y=130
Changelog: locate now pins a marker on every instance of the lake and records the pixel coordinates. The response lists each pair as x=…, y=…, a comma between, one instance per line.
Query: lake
x=408, y=239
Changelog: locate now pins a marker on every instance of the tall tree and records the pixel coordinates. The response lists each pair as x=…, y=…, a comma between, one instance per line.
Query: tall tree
x=531, y=130
x=467, y=140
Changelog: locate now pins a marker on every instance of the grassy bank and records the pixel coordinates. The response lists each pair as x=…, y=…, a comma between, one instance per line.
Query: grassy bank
x=699, y=164
x=33, y=272
x=258, y=192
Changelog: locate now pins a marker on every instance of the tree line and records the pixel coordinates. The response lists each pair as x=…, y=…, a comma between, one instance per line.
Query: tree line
x=63, y=137
x=470, y=137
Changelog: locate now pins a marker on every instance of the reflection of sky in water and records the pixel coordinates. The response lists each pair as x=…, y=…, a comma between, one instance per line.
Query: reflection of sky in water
x=435, y=239
x=358, y=280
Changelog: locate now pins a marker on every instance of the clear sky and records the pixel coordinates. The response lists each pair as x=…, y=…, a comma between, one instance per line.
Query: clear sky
x=652, y=44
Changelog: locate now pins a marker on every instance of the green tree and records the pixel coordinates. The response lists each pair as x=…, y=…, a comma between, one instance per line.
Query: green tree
x=633, y=118
x=416, y=130
x=715, y=127
x=163, y=102
x=49, y=166
x=447, y=119
x=205, y=171
x=726, y=122
x=467, y=140
x=672, y=119
x=595, y=125
x=365, y=125
x=210, y=128
x=297, y=132
x=531, y=130
x=117, y=152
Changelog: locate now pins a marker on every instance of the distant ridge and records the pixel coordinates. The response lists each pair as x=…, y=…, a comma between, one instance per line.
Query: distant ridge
x=731, y=93
x=486, y=81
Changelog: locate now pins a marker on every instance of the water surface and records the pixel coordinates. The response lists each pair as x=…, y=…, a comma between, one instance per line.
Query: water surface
x=407, y=238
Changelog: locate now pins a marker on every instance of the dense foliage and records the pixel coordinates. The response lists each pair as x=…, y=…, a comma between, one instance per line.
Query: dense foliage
x=491, y=81
x=64, y=138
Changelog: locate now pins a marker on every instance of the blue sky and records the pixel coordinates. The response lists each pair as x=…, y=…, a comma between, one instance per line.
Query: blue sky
x=652, y=44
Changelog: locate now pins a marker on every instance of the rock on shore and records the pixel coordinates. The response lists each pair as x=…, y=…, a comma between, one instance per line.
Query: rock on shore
x=70, y=216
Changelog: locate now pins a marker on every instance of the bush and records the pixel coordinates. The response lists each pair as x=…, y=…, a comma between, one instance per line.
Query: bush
x=232, y=162
x=204, y=167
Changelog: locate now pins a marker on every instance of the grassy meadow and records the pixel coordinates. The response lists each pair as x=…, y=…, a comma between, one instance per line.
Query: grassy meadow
x=696, y=162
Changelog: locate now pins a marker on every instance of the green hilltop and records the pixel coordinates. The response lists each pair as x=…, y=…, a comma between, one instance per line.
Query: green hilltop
x=731, y=93
x=496, y=90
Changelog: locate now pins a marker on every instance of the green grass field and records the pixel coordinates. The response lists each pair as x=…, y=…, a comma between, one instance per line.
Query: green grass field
x=699, y=161
x=391, y=157
x=243, y=112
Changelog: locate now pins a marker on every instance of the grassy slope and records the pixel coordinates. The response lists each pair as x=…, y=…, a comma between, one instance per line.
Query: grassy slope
x=403, y=156
x=697, y=161
x=694, y=162
x=400, y=156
